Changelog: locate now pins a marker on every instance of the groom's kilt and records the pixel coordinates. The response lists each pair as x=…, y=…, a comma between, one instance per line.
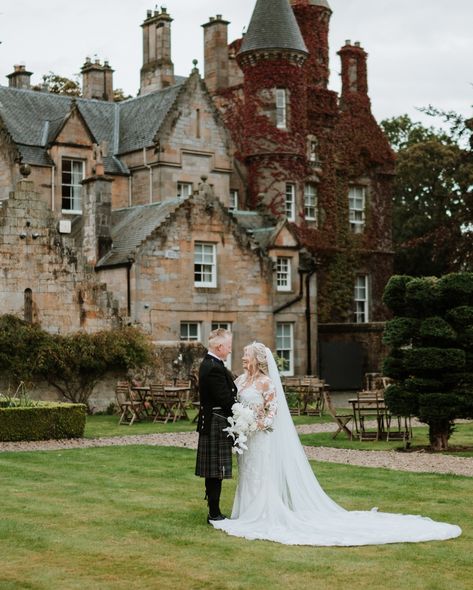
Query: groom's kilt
x=214, y=451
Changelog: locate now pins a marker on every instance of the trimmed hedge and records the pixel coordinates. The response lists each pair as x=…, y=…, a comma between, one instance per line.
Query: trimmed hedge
x=43, y=421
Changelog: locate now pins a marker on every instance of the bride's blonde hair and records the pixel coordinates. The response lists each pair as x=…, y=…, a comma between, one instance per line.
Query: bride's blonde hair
x=258, y=360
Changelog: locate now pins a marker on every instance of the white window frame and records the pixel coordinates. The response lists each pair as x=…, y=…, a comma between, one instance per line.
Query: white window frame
x=188, y=327
x=281, y=108
x=284, y=273
x=225, y=326
x=234, y=199
x=74, y=186
x=310, y=202
x=357, y=207
x=290, y=201
x=361, y=299
x=285, y=346
x=184, y=189
x=205, y=265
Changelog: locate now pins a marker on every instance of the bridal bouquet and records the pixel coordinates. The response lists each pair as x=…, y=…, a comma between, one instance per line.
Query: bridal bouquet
x=242, y=423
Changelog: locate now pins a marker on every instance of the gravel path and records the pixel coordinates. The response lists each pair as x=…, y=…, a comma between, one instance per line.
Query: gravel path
x=415, y=461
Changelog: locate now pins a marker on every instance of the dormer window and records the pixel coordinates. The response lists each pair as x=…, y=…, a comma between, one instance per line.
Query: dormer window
x=281, y=108
x=71, y=185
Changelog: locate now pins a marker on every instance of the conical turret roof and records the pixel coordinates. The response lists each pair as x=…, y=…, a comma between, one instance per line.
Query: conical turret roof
x=273, y=26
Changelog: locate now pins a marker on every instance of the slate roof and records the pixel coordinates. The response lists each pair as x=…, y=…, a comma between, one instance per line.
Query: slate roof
x=256, y=225
x=132, y=225
x=273, y=26
x=33, y=120
x=136, y=115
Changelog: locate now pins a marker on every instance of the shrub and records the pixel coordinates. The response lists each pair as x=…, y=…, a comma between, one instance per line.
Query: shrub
x=436, y=330
x=461, y=317
x=422, y=298
x=400, y=331
x=456, y=289
x=20, y=343
x=435, y=373
x=42, y=422
x=395, y=293
x=74, y=364
x=427, y=360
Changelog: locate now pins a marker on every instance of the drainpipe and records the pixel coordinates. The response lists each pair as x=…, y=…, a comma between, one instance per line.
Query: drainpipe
x=129, y=191
x=53, y=186
x=128, y=285
x=296, y=299
x=307, y=321
x=146, y=165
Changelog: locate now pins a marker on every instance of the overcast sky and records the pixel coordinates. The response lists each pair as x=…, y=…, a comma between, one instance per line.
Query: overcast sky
x=420, y=51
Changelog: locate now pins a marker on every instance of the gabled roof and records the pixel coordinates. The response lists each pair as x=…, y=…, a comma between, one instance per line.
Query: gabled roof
x=33, y=119
x=273, y=26
x=263, y=231
x=142, y=117
x=132, y=226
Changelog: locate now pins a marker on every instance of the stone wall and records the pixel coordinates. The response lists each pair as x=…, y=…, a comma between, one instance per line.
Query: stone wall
x=65, y=293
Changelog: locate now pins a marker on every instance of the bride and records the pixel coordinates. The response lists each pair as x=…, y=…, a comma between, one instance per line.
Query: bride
x=278, y=496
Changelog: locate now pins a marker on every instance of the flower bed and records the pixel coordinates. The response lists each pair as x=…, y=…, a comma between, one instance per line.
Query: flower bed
x=42, y=421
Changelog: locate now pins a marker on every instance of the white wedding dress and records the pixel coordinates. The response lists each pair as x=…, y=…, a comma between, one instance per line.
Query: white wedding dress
x=279, y=498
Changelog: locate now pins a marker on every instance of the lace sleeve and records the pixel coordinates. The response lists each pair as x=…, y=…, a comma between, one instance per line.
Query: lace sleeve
x=267, y=411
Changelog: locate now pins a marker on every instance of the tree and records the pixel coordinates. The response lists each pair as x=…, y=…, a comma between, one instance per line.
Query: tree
x=75, y=363
x=433, y=195
x=56, y=84
x=20, y=343
x=431, y=358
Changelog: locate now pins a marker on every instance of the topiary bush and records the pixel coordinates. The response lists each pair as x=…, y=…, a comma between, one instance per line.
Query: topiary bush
x=43, y=421
x=431, y=358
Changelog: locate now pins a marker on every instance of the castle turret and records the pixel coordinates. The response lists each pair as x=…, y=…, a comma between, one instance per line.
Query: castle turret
x=313, y=18
x=272, y=58
x=158, y=70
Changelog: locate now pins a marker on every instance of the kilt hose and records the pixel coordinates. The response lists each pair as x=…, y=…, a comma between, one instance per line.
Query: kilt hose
x=214, y=451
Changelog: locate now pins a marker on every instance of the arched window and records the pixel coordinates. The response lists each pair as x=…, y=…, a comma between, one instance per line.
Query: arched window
x=28, y=305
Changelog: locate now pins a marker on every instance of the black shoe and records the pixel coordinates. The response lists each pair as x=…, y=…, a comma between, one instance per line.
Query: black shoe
x=219, y=517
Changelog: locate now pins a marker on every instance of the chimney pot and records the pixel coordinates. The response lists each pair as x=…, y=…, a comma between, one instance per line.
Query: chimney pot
x=164, y=9
x=357, y=44
x=149, y=13
x=219, y=17
x=348, y=42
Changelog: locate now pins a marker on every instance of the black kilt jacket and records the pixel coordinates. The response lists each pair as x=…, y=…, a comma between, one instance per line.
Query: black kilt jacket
x=216, y=390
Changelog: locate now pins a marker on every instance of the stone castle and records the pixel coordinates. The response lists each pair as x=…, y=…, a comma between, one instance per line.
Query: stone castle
x=252, y=197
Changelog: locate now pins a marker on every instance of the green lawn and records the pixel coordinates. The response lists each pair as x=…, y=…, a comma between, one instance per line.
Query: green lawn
x=134, y=518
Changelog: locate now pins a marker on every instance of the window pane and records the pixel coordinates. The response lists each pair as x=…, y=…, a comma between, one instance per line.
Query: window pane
x=71, y=187
x=205, y=265
x=284, y=346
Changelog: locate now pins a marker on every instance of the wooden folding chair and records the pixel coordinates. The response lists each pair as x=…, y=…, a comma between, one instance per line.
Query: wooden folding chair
x=341, y=419
x=157, y=399
x=292, y=385
x=370, y=405
x=131, y=409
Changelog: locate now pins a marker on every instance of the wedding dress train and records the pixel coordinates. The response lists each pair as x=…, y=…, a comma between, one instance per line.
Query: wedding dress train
x=279, y=498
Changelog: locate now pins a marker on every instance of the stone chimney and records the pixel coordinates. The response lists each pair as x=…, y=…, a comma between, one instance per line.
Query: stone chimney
x=354, y=70
x=97, y=217
x=97, y=80
x=19, y=78
x=158, y=70
x=216, y=61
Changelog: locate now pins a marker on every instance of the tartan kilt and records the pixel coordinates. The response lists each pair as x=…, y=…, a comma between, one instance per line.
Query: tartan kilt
x=214, y=451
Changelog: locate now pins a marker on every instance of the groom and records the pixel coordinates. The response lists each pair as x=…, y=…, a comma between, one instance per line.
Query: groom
x=217, y=395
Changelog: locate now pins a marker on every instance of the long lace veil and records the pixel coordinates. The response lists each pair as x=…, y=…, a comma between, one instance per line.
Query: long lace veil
x=291, y=472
